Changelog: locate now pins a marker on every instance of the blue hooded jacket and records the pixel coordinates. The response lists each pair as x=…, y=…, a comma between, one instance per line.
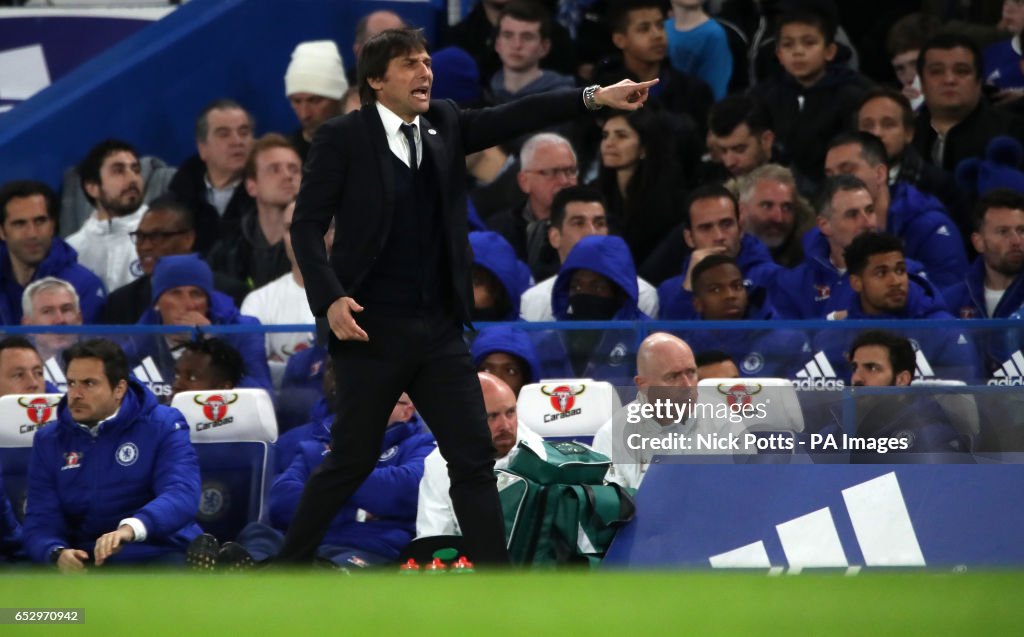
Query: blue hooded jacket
x=82, y=483
x=815, y=288
x=61, y=262
x=301, y=398
x=222, y=311
x=511, y=340
x=608, y=256
x=757, y=353
x=941, y=353
x=493, y=252
x=929, y=234
x=606, y=355
x=754, y=261
x=390, y=493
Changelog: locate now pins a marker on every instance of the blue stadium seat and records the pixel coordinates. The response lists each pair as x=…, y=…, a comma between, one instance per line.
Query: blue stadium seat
x=20, y=416
x=232, y=431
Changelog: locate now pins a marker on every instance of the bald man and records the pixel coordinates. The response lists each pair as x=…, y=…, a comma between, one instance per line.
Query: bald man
x=435, y=515
x=666, y=369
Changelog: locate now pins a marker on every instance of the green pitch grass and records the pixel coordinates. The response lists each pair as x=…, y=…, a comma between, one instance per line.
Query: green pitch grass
x=565, y=604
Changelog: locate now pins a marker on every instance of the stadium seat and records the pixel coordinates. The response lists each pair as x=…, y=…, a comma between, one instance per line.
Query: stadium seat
x=20, y=416
x=232, y=431
x=567, y=409
x=961, y=407
x=782, y=413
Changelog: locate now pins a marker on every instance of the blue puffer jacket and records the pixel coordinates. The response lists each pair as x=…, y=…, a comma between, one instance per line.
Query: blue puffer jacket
x=61, y=262
x=941, y=353
x=754, y=261
x=389, y=494
x=757, y=353
x=140, y=464
x=816, y=288
x=929, y=234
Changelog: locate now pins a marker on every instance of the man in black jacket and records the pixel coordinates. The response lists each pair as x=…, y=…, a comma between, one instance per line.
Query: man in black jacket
x=210, y=183
x=392, y=176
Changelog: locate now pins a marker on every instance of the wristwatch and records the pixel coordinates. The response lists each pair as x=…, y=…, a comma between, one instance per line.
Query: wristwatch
x=55, y=554
x=589, y=97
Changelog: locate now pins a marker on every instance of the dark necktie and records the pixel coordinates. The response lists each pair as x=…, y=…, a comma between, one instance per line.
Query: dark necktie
x=409, y=130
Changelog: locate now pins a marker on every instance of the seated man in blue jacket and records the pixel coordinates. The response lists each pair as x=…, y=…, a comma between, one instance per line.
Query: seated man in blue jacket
x=183, y=294
x=878, y=276
x=115, y=479
x=930, y=234
x=371, y=529
x=993, y=286
x=499, y=278
x=508, y=353
x=711, y=226
x=915, y=421
x=30, y=250
x=820, y=286
x=719, y=294
x=597, y=282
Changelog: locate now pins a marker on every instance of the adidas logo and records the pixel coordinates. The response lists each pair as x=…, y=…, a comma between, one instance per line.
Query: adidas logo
x=54, y=375
x=818, y=374
x=942, y=231
x=149, y=374
x=881, y=525
x=1012, y=372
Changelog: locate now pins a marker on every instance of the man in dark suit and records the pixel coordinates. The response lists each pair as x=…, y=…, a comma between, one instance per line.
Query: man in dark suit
x=392, y=175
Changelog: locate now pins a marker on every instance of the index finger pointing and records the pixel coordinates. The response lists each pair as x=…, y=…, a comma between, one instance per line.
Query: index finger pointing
x=646, y=84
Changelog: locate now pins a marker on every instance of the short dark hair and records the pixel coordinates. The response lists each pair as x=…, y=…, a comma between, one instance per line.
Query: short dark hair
x=866, y=245
x=226, y=363
x=618, y=12
x=377, y=53
x=871, y=147
x=707, y=191
x=222, y=104
x=16, y=342
x=528, y=11
x=728, y=113
x=996, y=198
x=115, y=365
x=709, y=262
x=712, y=356
x=902, y=357
x=569, y=195
x=89, y=167
x=170, y=203
x=820, y=14
x=884, y=92
x=837, y=183
x=27, y=188
x=910, y=33
x=946, y=41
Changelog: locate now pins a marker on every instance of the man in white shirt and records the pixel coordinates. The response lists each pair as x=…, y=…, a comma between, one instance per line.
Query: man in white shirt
x=112, y=181
x=434, y=514
x=576, y=212
x=666, y=369
x=283, y=302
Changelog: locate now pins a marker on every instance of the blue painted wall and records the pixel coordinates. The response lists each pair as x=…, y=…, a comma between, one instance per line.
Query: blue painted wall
x=149, y=88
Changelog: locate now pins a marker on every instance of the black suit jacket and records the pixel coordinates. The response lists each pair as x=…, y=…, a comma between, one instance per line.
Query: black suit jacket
x=349, y=176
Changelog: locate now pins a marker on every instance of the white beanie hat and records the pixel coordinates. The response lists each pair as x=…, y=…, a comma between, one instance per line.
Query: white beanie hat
x=316, y=68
